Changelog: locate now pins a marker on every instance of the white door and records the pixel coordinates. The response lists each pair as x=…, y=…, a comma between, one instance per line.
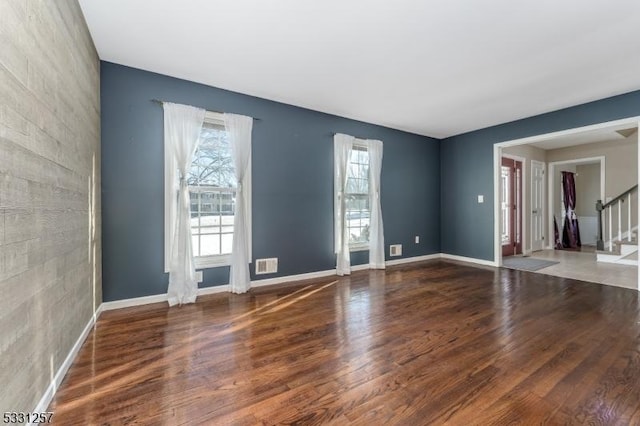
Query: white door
x=537, y=204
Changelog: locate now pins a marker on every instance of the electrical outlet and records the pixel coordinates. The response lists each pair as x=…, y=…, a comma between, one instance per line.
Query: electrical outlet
x=199, y=277
x=417, y=239
x=395, y=250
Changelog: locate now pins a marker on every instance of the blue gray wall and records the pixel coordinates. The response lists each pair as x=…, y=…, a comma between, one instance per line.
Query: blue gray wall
x=292, y=182
x=466, y=162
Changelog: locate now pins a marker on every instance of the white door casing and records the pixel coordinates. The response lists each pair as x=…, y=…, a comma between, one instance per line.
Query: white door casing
x=537, y=205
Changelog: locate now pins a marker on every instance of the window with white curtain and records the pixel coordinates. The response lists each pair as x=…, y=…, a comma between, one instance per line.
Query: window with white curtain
x=357, y=199
x=212, y=192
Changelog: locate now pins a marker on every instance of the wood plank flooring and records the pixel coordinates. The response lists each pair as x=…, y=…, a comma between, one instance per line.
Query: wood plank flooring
x=431, y=343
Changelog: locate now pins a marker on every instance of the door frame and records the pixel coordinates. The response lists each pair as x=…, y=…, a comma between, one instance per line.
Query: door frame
x=523, y=229
x=497, y=154
x=544, y=190
x=550, y=179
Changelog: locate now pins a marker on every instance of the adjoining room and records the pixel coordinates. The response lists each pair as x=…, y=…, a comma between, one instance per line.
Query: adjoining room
x=578, y=196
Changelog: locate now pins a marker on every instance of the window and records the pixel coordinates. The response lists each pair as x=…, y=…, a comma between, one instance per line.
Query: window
x=358, y=209
x=212, y=185
x=212, y=191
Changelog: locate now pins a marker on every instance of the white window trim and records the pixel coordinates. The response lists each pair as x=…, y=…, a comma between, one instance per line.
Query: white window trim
x=202, y=262
x=359, y=247
x=361, y=143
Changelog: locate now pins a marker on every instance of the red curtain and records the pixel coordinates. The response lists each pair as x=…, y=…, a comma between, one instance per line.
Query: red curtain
x=570, y=231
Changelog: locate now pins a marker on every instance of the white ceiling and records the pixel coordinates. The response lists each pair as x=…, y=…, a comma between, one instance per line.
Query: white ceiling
x=432, y=67
x=610, y=134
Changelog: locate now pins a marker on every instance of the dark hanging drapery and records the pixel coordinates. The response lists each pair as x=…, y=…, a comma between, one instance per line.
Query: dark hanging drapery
x=570, y=230
x=557, y=242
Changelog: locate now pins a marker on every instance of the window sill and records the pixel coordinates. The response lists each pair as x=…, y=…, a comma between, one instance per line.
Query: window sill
x=206, y=262
x=359, y=247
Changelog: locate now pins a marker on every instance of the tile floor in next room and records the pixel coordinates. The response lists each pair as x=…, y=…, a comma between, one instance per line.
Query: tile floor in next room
x=582, y=265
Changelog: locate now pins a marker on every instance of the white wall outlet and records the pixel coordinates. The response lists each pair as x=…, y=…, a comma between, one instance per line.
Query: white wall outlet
x=199, y=277
x=417, y=239
x=480, y=199
x=395, y=250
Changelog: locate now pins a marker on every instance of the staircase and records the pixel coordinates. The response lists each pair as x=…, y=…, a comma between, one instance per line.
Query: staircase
x=620, y=248
x=624, y=253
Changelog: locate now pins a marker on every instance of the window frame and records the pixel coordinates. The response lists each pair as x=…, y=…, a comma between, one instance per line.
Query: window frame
x=354, y=247
x=213, y=260
x=170, y=167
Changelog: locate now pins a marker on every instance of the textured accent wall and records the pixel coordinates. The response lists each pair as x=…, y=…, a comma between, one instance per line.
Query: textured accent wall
x=292, y=182
x=50, y=251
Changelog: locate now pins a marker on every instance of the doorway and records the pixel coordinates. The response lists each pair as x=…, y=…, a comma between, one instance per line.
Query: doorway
x=511, y=202
x=610, y=132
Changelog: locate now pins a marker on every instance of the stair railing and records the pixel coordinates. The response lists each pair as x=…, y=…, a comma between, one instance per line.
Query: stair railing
x=606, y=210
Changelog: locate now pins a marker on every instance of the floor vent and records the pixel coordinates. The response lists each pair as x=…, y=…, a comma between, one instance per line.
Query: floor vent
x=395, y=250
x=267, y=266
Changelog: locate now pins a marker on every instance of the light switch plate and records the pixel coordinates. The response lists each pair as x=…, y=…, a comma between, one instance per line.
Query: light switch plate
x=480, y=198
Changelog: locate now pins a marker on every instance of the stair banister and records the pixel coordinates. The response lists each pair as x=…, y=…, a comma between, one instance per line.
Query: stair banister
x=605, y=209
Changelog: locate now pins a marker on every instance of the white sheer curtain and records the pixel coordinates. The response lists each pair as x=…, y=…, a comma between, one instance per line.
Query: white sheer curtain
x=376, y=228
x=239, y=128
x=342, y=146
x=182, y=126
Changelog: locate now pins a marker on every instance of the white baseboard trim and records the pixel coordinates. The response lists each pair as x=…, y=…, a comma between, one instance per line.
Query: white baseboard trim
x=469, y=259
x=214, y=289
x=363, y=267
x=413, y=259
x=298, y=277
x=46, y=399
x=135, y=301
x=157, y=298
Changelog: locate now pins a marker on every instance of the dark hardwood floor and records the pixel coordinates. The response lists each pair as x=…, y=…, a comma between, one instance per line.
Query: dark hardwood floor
x=430, y=343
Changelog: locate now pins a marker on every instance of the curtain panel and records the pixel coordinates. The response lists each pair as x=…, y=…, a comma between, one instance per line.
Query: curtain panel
x=239, y=128
x=570, y=231
x=342, y=146
x=182, y=127
x=376, y=228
